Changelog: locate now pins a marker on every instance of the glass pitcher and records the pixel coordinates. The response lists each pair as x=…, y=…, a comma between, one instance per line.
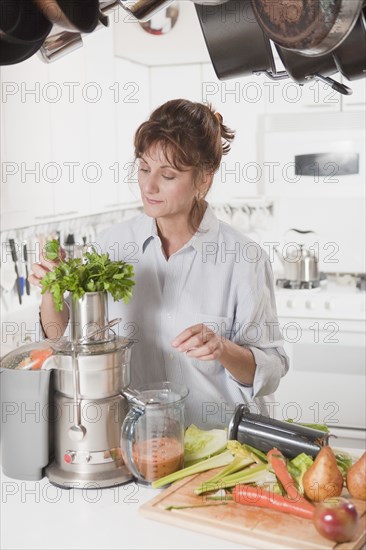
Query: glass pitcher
x=152, y=434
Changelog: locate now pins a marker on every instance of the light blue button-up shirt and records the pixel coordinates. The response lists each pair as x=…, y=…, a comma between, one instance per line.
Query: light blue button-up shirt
x=219, y=278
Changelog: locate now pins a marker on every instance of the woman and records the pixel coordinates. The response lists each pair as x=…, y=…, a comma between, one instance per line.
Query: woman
x=203, y=310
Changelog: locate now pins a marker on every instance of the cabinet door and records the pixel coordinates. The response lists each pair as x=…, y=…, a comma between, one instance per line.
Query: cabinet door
x=173, y=82
x=102, y=119
x=240, y=101
x=356, y=101
x=287, y=96
x=26, y=190
x=73, y=174
x=131, y=94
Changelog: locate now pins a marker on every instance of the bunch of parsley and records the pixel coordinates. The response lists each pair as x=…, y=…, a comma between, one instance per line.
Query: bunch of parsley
x=95, y=273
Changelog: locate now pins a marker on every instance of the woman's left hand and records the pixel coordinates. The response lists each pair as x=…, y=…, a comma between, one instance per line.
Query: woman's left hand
x=201, y=342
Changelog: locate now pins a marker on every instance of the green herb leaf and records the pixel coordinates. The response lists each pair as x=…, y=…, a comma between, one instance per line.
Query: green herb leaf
x=52, y=249
x=98, y=273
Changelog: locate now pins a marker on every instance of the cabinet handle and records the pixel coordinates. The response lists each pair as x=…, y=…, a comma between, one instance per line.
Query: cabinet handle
x=44, y=217
x=66, y=213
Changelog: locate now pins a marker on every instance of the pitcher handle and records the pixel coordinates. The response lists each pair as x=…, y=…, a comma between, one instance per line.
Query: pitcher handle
x=127, y=431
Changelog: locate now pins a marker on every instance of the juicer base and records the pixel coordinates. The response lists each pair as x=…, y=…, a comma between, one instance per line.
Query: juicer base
x=77, y=480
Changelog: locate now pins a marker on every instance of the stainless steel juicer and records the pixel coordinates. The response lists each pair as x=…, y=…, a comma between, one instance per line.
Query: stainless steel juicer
x=85, y=401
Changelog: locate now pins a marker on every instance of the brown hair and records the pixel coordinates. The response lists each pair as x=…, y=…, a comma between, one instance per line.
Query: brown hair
x=191, y=135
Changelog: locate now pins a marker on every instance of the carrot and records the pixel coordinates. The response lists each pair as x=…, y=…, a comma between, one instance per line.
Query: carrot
x=256, y=496
x=278, y=463
x=39, y=356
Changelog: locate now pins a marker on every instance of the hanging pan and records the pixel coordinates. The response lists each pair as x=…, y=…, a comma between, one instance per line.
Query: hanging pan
x=350, y=56
x=304, y=69
x=236, y=43
x=21, y=22
x=75, y=15
x=23, y=29
x=309, y=27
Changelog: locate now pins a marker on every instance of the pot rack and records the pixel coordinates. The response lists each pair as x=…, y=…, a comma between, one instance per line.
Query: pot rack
x=339, y=27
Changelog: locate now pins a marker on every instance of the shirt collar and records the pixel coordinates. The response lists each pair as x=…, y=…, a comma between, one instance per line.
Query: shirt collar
x=148, y=231
x=204, y=241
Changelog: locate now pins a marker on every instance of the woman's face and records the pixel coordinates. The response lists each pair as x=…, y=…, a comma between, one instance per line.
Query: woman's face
x=165, y=191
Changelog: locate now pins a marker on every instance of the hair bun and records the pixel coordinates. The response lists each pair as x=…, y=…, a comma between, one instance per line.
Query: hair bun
x=219, y=117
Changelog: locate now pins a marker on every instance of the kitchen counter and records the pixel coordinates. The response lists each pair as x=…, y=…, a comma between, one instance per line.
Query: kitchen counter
x=36, y=515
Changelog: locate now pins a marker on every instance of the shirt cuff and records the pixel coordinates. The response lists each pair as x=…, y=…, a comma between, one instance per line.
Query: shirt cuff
x=270, y=367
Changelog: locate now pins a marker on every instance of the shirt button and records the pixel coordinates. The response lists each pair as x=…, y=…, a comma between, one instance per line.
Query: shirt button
x=169, y=315
x=171, y=356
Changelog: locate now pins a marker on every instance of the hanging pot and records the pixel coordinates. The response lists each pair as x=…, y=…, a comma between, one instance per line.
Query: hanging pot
x=236, y=43
x=60, y=44
x=21, y=22
x=144, y=10
x=23, y=29
x=309, y=27
x=11, y=53
x=304, y=69
x=350, y=56
x=75, y=15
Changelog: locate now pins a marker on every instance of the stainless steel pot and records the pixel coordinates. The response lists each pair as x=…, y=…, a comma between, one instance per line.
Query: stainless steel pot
x=235, y=42
x=305, y=69
x=350, y=56
x=300, y=263
x=143, y=10
x=309, y=27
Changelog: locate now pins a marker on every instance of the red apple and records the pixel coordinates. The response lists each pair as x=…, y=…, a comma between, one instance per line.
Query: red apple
x=336, y=519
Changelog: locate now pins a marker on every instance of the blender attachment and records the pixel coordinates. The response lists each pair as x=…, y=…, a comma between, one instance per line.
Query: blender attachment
x=264, y=433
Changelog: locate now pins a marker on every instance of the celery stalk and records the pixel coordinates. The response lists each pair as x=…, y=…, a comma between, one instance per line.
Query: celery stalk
x=222, y=459
x=248, y=475
x=236, y=465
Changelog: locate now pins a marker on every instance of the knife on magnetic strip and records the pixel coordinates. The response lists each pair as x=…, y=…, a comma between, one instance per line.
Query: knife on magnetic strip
x=15, y=259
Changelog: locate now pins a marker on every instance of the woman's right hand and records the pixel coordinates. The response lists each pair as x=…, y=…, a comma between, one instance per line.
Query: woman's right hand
x=40, y=270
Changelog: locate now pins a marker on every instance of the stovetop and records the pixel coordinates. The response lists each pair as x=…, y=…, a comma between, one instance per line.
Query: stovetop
x=337, y=296
x=295, y=285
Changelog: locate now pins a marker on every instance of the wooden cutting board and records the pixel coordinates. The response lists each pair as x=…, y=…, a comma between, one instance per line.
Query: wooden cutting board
x=252, y=526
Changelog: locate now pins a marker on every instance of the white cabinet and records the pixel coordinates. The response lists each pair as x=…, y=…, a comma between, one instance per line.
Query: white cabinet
x=69, y=146
x=240, y=102
x=26, y=191
x=286, y=96
x=356, y=101
x=174, y=82
x=132, y=100
x=102, y=120
x=67, y=133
